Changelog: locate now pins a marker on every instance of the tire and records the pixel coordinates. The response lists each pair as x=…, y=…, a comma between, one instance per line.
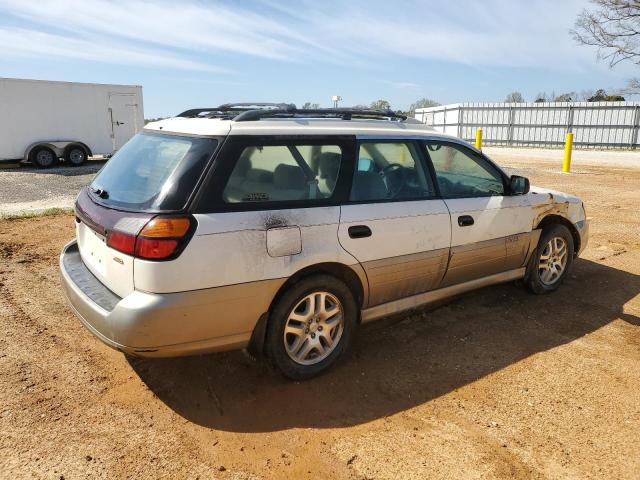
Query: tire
x=75, y=156
x=551, y=260
x=313, y=340
x=44, y=157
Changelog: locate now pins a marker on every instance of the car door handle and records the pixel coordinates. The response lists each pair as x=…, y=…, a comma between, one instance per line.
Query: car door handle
x=359, y=231
x=465, y=220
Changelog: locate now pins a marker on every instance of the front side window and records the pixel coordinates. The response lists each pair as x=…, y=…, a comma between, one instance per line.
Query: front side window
x=283, y=173
x=463, y=173
x=390, y=171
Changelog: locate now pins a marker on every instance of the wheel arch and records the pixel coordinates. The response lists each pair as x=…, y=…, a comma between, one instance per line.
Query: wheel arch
x=34, y=146
x=353, y=276
x=82, y=145
x=355, y=280
x=560, y=220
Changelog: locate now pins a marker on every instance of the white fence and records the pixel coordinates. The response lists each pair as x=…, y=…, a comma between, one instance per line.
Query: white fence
x=594, y=124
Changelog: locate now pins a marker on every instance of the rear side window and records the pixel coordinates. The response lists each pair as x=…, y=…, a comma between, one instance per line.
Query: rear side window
x=462, y=172
x=156, y=172
x=283, y=173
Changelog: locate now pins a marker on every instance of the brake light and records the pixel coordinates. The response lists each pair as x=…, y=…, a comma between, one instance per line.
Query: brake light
x=155, y=248
x=123, y=242
x=161, y=238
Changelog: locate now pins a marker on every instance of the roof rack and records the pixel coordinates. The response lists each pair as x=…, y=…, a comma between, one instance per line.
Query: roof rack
x=342, y=113
x=231, y=110
x=246, y=112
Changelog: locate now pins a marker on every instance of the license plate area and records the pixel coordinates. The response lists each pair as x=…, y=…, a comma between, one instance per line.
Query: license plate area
x=93, y=249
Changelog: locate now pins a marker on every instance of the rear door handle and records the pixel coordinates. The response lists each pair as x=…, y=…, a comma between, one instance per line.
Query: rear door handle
x=465, y=220
x=359, y=231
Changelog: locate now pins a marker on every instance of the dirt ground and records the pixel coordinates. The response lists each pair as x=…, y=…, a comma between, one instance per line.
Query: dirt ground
x=495, y=384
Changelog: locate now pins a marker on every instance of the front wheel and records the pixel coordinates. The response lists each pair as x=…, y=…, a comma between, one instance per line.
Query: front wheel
x=311, y=326
x=551, y=261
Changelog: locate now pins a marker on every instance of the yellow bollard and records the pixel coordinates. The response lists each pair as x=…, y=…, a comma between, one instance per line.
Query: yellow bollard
x=568, y=146
x=479, y=139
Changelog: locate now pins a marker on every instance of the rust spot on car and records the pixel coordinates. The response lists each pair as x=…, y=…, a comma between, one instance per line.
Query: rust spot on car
x=552, y=208
x=273, y=221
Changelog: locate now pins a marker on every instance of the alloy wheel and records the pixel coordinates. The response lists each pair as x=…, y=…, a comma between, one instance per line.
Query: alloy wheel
x=553, y=260
x=314, y=328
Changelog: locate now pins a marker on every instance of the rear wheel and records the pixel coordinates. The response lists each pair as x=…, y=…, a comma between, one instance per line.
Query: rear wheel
x=44, y=157
x=311, y=326
x=551, y=261
x=75, y=156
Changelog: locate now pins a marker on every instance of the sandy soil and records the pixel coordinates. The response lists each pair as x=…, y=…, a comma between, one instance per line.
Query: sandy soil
x=495, y=384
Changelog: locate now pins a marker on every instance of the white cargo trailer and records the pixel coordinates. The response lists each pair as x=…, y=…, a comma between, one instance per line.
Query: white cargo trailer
x=44, y=121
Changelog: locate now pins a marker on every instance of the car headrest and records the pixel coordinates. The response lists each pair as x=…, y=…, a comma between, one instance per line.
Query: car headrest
x=242, y=166
x=329, y=164
x=368, y=186
x=289, y=177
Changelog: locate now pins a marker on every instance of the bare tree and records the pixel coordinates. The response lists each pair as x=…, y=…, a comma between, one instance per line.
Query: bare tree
x=566, y=97
x=422, y=103
x=514, y=97
x=541, y=97
x=632, y=88
x=614, y=27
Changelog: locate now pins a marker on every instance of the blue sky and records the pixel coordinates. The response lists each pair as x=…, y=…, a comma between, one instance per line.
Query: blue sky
x=203, y=53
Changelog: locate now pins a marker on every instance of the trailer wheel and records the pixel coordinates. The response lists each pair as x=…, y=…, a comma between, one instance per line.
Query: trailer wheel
x=43, y=157
x=75, y=156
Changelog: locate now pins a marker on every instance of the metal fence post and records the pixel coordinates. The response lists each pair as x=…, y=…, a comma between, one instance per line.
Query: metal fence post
x=636, y=126
x=510, y=128
x=444, y=120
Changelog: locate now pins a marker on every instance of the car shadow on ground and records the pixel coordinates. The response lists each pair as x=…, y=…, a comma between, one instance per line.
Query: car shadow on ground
x=395, y=364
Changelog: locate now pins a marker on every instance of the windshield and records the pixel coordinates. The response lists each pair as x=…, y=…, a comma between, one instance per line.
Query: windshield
x=153, y=171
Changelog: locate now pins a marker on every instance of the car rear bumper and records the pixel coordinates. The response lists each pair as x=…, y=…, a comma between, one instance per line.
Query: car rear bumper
x=162, y=325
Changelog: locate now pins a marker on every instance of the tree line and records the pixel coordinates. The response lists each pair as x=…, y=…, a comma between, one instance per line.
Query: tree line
x=600, y=95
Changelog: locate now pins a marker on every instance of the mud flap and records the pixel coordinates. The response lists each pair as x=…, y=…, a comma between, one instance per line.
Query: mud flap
x=255, y=349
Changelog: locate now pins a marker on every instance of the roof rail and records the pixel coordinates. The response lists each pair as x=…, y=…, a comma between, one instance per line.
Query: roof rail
x=230, y=110
x=251, y=111
x=342, y=113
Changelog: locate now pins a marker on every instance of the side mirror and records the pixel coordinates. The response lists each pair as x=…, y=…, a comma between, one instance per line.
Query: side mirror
x=365, y=165
x=518, y=185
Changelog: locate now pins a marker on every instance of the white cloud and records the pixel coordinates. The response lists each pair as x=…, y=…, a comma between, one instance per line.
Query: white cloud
x=18, y=42
x=363, y=33
x=397, y=84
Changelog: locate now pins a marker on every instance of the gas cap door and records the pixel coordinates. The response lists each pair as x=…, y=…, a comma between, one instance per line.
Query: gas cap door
x=284, y=241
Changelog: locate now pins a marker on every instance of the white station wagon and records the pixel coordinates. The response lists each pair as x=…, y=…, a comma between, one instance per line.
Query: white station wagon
x=280, y=230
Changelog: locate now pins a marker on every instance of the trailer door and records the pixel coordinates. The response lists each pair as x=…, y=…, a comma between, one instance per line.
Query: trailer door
x=123, y=113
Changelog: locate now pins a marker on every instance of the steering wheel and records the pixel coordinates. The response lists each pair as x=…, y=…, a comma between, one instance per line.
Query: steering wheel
x=394, y=178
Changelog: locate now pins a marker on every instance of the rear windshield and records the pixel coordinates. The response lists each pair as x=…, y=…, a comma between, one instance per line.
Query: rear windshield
x=153, y=171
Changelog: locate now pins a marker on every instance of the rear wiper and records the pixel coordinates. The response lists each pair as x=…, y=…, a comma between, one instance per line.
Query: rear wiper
x=100, y=192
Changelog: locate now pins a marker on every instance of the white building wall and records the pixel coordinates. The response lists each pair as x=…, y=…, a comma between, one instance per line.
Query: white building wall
x=594, y=124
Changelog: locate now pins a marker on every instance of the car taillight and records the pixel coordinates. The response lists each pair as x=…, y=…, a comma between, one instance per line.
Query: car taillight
x=155, y=248
x=161, y=238
x=123, y=242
